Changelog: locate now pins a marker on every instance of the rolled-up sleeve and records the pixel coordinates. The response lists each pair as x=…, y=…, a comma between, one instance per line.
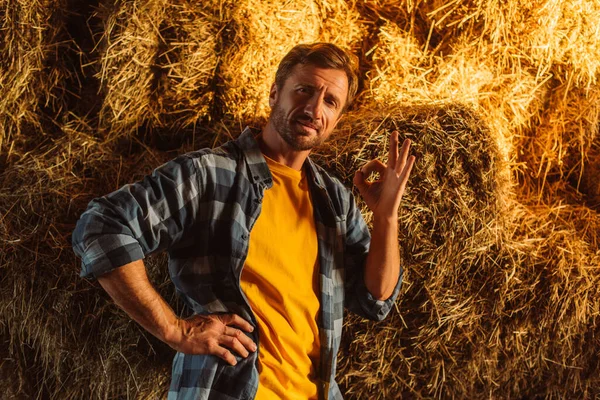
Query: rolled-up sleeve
x=138, y=219
x=358, y=299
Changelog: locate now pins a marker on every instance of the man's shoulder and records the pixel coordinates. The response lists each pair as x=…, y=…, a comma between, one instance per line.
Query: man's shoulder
x=226, y=156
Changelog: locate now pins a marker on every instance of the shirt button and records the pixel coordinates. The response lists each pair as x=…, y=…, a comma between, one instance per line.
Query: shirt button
x=244, y=236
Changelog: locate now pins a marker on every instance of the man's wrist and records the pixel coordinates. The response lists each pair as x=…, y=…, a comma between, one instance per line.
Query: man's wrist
x=390, y=220
x=172, y=333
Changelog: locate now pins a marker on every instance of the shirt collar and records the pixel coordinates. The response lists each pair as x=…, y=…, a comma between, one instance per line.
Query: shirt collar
x=259, y=170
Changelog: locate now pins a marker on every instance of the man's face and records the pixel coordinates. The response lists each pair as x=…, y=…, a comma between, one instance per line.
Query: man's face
x=308, y=106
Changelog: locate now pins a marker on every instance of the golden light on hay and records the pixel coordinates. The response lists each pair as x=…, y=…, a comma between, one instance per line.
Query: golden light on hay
x=30, y=70
x=129, y=48
x=404, y=74
x=265, y=32
x=558, y=33
x=188, y=63
x=499, y=228
x=566, y=133
x=401, y=68
x=157, y=63
x=341, y=23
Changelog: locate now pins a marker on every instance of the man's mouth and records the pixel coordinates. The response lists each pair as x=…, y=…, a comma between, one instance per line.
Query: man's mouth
x=308, y=125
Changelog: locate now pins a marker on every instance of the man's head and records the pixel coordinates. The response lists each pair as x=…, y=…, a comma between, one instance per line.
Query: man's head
x=322, y=55
x=314, y=84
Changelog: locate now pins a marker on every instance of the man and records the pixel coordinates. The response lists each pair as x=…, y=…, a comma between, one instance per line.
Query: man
x=263, y=245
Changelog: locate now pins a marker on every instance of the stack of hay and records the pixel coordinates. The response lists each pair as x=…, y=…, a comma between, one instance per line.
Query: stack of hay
x=265, y=32
x=31, y=76
x=491, y=285
x=157, y=62
x=499, y=228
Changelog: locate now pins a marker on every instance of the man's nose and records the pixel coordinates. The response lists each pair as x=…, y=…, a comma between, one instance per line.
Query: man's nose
x=314, y=107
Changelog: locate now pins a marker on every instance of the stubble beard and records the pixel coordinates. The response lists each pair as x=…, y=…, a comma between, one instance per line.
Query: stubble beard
x=286, y=131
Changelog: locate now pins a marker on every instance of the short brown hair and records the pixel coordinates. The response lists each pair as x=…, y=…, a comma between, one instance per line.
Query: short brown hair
x=322, y=55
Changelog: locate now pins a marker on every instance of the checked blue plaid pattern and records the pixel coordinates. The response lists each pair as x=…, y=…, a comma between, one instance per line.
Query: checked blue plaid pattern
x=200, y=208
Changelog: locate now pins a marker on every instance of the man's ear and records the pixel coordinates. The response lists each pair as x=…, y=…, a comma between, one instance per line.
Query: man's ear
x=273, y=93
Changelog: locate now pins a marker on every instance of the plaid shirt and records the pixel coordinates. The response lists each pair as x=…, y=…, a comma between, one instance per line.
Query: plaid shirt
x=200, y=208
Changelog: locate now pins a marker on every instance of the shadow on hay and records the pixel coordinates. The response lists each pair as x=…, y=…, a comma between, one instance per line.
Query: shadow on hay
x=67, y=339
x=448, y=217
x=498, y=295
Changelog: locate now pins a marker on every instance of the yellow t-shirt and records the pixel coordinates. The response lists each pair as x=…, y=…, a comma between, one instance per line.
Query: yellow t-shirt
x=280, y=280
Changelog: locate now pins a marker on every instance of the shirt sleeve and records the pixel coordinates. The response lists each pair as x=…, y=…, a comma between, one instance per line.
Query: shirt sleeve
x=138, y=219
x=358, y=299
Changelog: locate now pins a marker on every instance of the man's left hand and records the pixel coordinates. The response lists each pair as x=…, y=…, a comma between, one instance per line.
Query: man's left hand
x=383, y=196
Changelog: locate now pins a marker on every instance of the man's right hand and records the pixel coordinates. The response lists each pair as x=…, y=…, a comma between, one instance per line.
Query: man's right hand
x=215, y=334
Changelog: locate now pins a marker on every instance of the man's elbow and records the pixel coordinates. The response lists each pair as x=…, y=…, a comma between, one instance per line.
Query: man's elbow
x=379, y=291
x=383, y=295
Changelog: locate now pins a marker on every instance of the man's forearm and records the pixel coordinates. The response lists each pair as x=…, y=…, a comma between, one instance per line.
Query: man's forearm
x=217, y=334
x=131, y=290
x=382, y=269
x=383, y=197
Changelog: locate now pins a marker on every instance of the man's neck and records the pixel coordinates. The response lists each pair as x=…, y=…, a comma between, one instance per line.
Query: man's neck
x=273, y=146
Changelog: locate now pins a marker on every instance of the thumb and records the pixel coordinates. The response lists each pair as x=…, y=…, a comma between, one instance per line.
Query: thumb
x=360, y=178
x=359, y=181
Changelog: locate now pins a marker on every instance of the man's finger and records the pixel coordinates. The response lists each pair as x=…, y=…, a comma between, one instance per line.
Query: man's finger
x=236, y=320
x=403, y=156
x=359, y=181
x=407, y=169
x=393, y=155
x=373, y=166
x=215, y=349
x=244, y=340
x=232, y=342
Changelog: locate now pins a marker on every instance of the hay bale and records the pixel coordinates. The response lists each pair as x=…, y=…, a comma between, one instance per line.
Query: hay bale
x=157, y=64
x=265, y=32
x=560, y=150
x=188, y=63
x=548, y=34
x=30, y=66
x=505, y=93
x=459, y=182
x=400, y=68
x=550, y=303
x=453, y=204
x=129, y=47
x=518, y=320
x=499, y=298
x=502, y=64
x=67, y=338
x=558, y=35
x=435, y=23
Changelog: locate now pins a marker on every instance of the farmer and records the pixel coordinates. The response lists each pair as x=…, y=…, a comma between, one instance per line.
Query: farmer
x=264, y=246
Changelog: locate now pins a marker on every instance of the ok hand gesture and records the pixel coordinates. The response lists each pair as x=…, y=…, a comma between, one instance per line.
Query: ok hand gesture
x=383, y=195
